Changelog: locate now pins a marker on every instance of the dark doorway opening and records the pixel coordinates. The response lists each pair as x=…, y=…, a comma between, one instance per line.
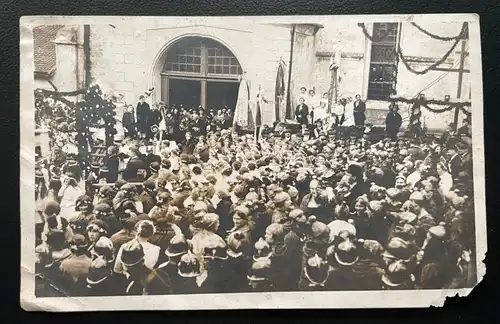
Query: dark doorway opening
x=184, y=92
x=221, y=94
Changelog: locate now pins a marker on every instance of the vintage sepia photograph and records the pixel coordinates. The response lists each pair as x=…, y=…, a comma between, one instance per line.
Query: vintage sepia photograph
x=250, y=162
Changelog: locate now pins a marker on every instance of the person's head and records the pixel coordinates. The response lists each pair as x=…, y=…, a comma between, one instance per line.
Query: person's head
x=145, y=229
x=142, y=98
x=441, y=168
x=303, y=90
x=400, y=182
x=361, y=205
x=240, y=217
x=465, y=122
x=325, y=95
x=301, y=100
x=96, y=229
x=274, y=233
x=312, y=92
x=130, y=108
x=358, y=97
x=132, y=257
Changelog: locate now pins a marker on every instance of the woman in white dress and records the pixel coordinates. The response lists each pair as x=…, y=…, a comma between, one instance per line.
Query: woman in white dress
x=68, y=194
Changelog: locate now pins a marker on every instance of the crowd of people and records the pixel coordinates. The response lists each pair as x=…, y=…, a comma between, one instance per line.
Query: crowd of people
x=208, y=210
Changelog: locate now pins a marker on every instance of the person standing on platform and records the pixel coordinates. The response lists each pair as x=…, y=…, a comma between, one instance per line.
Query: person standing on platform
x=359, y=111
x=393, y=121
x=128, y=122
x=302, y=112
x=143, y=115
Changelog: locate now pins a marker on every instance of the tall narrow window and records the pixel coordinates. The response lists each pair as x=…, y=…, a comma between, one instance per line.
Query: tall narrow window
x=383, y=64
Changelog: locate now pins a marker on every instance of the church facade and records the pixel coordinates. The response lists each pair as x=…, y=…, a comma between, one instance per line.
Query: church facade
x=199, y=61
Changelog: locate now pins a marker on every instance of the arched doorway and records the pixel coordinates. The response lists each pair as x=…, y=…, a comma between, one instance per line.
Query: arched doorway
x=200, y=71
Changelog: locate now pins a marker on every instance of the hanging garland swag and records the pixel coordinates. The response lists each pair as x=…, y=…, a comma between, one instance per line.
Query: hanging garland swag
x=400, y=55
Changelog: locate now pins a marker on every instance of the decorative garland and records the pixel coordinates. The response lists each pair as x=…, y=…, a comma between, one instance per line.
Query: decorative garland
x=460, y=36
x=61, y=115
x=400, y=55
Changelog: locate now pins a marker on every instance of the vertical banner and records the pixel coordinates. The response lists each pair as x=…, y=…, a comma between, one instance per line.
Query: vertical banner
x=279, y=92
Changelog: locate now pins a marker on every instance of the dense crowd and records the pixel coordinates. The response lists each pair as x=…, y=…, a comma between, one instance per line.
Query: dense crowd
x=212, y=211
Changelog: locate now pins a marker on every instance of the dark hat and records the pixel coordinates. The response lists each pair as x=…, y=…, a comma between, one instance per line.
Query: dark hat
x=104, y=169
x=78, y=242
x=396, y=274
x=262, y=250
x=178, y=246
x=166, y=164
x=355, y=169
x=214, y=247
x=98, y=225
x=260, y=270
x=189, y=266
x=99, y=271
x=83, y=199
x=95, y=165
x=154, y=167
x=149, y=184
x=132, y=253
x=103, y=208
x=317, y=269
x=397, y=248
x=346, y=253
x=303, y=88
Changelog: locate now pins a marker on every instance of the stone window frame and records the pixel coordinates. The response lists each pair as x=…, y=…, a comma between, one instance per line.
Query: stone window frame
x=379, y=86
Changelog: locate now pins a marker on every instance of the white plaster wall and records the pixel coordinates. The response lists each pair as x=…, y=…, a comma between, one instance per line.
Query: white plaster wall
x=124, y=58
x=128, y=60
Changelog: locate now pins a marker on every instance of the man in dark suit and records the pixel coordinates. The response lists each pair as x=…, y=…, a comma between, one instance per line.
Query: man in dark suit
x=358, y=186
x=149, y=158
x=454, y=162
x=448, y=136
x=134, y=164
x=359, y=111
x=465, y=130
x=143, y=116
x=302, y=112
x=393, y=122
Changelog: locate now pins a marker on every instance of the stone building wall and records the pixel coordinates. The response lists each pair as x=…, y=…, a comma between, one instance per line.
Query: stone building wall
x=128, y=58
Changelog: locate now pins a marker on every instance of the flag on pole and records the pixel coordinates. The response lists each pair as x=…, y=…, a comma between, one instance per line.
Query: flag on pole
x=280, y=99
x=242, y=104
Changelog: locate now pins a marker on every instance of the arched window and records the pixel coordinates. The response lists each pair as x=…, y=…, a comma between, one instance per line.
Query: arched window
x=202, y=57
x=200, y=71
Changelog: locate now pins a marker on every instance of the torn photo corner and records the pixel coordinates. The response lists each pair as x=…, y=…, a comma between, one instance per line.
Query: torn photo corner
x=184, y=163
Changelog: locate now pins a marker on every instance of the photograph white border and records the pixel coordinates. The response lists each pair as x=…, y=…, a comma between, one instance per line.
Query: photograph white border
x=275, y=300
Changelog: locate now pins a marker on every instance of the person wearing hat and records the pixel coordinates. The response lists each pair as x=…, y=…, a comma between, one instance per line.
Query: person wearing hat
x=214, y=255
x=259, y=276
x=434, y=260
x=393, y=121
x=165, y=229
x=397, y=277
x=74, y=270
x=104, y=213
x=127, y=193
x=239, y=261
x=102, y=281
x=242, y=222
x=46, y=273
x=317, y=274
x=177, y=247
x=147, y=196
x=341, y=259
x=142, y=280
x=85, y=215
x=151, y=252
